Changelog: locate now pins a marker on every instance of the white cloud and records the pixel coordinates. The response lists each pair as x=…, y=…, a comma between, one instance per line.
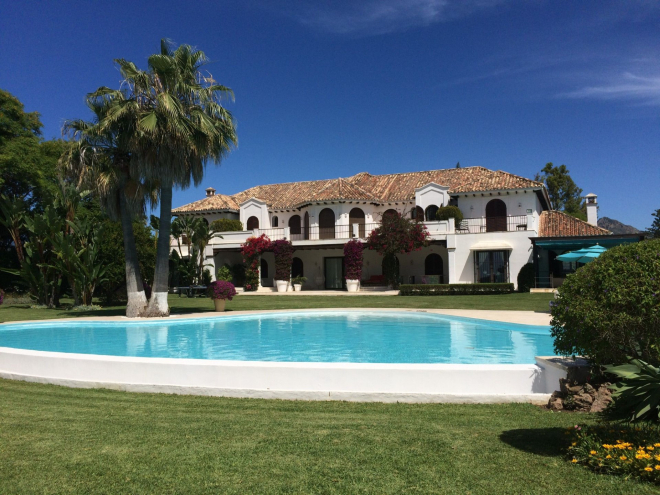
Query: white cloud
x=627, y=86
x=373, y=17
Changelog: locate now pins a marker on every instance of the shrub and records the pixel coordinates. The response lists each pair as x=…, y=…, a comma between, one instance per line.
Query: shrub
x=251, y=251
x=283, y=251
x=636, y=393
x=626, y=450
x=238, y=274
x=221, y=290
x=353, y=259
x=454, y=289
x=447, y=212
x=226, y=225
x=526, y=277
x=206, y=277
x=224, y=274
x=609, y=309
x=299, y=280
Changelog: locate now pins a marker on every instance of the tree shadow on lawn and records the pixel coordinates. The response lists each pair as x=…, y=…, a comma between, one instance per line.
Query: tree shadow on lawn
x=548, y=442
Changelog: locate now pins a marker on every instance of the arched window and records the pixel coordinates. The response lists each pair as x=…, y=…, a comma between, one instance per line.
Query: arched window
x=433, y=266
x=306, y=232
x=496, y=216
x=294, y=227
x=417, y=214
x=356, y=215
x=297, y=268
x=252, y=223
x=430, y=212
x=327, y=224
x=391, y=211
x=275, y=222
x=264, y=268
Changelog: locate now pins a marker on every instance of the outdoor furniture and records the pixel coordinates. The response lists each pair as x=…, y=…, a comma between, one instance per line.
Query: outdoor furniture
x=191, y=291
x=463, y=226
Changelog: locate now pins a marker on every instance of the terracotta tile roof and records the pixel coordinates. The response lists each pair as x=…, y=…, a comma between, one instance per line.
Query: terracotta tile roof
x=376, y=188
x=210, y=203
x=559, y=224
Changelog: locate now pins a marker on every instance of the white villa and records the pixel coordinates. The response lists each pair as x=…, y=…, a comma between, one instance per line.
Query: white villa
x=508, y=222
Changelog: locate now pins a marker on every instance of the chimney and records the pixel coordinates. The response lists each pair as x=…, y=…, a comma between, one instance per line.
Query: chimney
x=592, y=208
x=210, y=192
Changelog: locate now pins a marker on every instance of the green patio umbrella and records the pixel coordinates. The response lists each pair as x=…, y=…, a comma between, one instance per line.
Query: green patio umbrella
x=584, y=255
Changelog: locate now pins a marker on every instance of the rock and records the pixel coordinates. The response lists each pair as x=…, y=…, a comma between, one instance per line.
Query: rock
x=569, y=387
x=603, y=398
x=555, y=403
x=589, y=389
x=583, y=401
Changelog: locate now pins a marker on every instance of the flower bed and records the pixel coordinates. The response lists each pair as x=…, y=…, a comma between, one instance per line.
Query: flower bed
x=626, y=450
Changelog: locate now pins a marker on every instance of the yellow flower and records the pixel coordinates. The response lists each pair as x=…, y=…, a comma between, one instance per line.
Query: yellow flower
x=648, y=469
x=623, y=458
x=574, y=444
x=593, y=452
x=657, y=467
x=608, y=456
x=656, y=444
x=649, y=448
x=574, y=461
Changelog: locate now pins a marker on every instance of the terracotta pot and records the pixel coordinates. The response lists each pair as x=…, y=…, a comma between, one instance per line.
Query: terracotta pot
x=282, y=285
x=219, y=304
x=352, y=285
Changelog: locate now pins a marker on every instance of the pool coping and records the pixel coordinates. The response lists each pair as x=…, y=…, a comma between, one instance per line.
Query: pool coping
x=362, y=382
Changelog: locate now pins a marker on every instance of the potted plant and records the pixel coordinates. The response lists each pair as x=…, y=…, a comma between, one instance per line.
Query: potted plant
x=297, y=282
x=353, y=264
x=221, y=291
x=283, y=251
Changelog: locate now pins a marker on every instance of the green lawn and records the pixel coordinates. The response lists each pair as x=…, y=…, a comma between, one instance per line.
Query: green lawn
x=182, y=305
x=60, y=440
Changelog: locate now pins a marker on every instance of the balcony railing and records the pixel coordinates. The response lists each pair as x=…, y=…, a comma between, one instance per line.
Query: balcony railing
x=492, y=224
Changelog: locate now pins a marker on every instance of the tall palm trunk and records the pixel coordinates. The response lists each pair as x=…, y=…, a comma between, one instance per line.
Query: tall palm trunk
x=137, y=300
x=158, y=302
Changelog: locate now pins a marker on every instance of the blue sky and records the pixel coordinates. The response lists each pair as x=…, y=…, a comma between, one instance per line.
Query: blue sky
x=331, y=88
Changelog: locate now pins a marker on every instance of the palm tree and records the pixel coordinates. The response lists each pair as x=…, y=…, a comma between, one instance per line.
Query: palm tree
x=180, y=125
x=100, y=158
x=203, y=234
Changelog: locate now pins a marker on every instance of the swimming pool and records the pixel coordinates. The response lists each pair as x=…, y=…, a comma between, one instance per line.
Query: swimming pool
x=306, y=337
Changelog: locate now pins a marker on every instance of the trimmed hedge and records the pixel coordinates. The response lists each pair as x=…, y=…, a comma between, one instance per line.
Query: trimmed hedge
x=526, y=277
x=226, y=225
x=453, y=289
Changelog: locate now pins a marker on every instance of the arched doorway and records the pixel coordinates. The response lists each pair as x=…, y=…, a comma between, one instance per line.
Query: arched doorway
x=496, y=216
x=294, y=227
x=356, y=215
x=417, y=214
x=275, y=222
x=264, y=268
x=252, y=223
x=433, y=267
x=306, y=232
x=430, y=212
x=297, y=268
x=327, y=224
x=389, y=212
x=390, y=267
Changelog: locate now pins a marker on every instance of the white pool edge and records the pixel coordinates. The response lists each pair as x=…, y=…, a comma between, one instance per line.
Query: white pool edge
x=363, y=382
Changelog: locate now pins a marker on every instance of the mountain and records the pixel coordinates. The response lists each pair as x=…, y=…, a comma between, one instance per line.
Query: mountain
x=616, y=227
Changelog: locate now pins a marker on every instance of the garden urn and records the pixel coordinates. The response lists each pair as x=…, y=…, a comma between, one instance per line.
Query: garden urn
x=282, y=285
x=352, y=285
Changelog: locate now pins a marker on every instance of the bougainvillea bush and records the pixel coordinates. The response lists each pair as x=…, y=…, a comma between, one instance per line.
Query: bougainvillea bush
x=397, y=234
x=353, y=259
x=283, y=251
x=609, y=309
x=221, y=290
x=251, y=251
x=627, y=450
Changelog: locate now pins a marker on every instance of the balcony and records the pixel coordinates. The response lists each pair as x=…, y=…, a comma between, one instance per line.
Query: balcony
x=316, y=233
x=493, y=224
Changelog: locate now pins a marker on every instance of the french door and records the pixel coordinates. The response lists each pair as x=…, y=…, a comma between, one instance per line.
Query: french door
x=334, y=273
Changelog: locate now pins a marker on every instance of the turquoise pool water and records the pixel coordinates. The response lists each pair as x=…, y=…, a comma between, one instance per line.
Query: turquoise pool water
x=357, y=337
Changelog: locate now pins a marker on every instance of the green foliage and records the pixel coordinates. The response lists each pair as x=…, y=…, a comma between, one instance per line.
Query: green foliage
x=447, y=212
x=564, y=194
x=453, y=289
x=238, y=274
x=526, y=277
x=224, y=274
x=609, y=309
x=299, y=280
x=636, y=392
x=625, y=450
x=207, y=278
x=226, y=225
x=654, y=230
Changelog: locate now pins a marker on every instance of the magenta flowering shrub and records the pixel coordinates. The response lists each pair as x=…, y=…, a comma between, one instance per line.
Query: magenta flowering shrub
x=251, y=252
x=283, y=251
x=222, y=290
x=353, y=259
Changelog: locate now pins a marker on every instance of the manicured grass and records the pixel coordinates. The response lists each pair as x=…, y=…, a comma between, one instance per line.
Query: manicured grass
x=182, y=305
x=60, y=440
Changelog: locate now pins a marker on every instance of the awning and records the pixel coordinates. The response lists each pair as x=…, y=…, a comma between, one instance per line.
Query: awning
x=491, y=246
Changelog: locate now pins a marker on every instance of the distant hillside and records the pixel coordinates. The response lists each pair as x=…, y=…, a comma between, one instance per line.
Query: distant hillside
x=616, y=227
